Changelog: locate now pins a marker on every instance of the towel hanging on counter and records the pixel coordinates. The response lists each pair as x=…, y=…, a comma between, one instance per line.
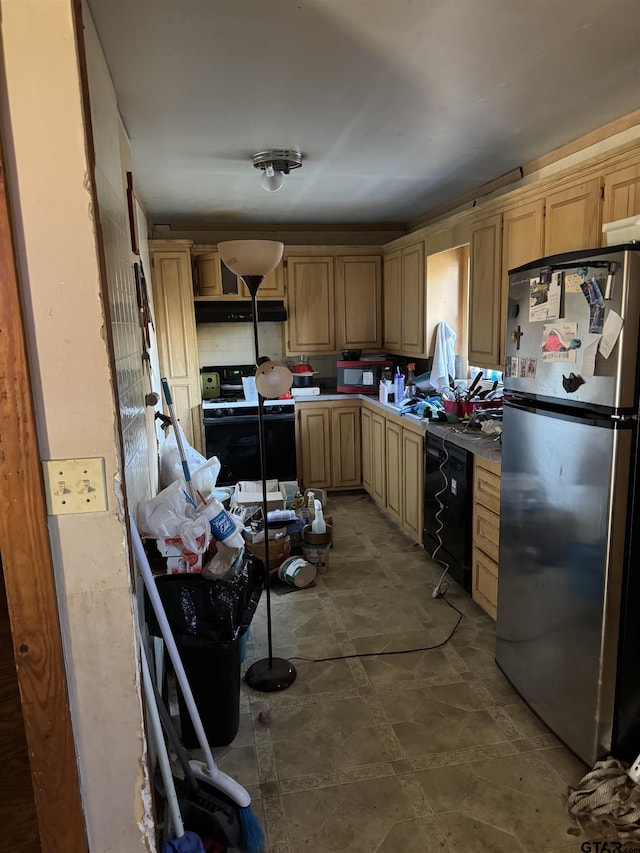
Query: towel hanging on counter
x=444, y=356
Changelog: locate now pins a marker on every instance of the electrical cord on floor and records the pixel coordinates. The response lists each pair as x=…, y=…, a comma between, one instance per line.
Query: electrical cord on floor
x=399, y=651
x=438, y=591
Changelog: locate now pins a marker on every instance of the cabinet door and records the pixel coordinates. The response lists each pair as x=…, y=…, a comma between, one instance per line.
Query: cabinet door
x=485, y=295
x=208, y=280
x=622, y=194
x=378, y=465
x=413, y=483
x=272, y=286
x=311, y=305
x=413, y=301
x=572, y=218
x=367, y=450
x=177, y=342
x=392, y=297
x=313, y=438
x=484, y=583
x=359, y=302
x=393, y=440
x=345, y=447
x=522, y=241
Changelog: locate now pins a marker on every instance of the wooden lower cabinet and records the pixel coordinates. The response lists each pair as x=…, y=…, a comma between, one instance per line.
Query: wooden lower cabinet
x=328, y=444
x=393, y=467
x=486, y=534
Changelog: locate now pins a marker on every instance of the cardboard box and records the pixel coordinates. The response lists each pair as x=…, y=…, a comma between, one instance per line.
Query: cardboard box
x=179, y=559
x=249, y=494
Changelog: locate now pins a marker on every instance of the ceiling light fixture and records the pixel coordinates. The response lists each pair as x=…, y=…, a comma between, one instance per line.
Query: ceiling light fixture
x=276, y=163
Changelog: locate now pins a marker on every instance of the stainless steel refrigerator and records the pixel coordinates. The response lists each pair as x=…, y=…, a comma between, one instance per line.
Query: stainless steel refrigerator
x=568, y=629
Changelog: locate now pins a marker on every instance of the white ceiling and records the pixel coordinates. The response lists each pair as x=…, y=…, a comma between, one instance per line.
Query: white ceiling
x=398, y=106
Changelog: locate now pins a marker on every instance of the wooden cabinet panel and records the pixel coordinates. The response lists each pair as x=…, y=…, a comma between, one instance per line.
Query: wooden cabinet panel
x=359, y=301
x=379, y=464
x=413, y=299
x=392, y=301
x=346, y=447
x=176, y=334
x=314, y=441
x=393, y=442
x=484, y=583
x=486, y=533
x=216, y=281
x=485, y=295
x=311, y=304
x=572, y=218
x=486, y=488
x=367, y=450
x=622, y=194
x=413, y=483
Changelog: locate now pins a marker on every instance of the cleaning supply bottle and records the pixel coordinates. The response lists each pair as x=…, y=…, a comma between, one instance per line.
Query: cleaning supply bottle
x=399, y=387
x=318, y=525
x=311, y=505
x=411, y=387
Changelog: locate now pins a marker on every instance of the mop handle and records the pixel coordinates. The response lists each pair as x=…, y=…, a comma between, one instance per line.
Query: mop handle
x=218, y=777
x=176, y=431
x=163, y=756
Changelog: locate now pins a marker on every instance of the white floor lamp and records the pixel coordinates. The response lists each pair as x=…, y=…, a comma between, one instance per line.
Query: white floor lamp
x=252, y=260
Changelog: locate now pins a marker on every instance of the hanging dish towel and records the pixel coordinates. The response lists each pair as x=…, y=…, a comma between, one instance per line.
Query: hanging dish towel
x=444, y=356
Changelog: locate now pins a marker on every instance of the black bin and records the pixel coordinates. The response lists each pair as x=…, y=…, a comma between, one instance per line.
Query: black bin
x=208, y=619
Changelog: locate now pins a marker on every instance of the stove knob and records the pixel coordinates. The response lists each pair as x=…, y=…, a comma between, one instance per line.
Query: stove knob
x=277, y=410
x=218, y=413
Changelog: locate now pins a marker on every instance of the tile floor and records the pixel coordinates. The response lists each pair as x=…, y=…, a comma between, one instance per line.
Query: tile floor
x=429, y=751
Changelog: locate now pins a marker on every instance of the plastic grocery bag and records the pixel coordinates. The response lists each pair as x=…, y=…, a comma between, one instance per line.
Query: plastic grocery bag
x=204, y=472
x=170, y=516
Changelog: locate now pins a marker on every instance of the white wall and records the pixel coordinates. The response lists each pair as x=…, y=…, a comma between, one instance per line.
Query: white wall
x=77, y=414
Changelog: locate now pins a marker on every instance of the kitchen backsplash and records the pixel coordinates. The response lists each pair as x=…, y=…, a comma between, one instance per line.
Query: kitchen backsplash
x=232, y=343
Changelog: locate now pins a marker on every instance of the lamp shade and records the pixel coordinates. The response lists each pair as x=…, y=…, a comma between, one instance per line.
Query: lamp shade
x=251, y=257
x=273, y=379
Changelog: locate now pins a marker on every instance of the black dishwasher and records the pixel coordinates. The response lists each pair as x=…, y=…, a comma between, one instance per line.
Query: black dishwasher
x=448, y=512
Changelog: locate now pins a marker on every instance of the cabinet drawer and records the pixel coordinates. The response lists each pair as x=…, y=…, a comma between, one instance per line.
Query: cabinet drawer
x=486, y=531
x=485, y=582
x=486, y=489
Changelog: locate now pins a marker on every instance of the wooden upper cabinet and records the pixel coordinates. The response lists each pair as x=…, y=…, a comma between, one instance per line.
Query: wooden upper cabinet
x=359, y=301
x=404, y=300
x=622, y=194
x=572, y=218
x=216, y=281
x=392, y=301
x=311, y=304
x=485, y=295
x=176, y=332
x=413, y=313
x=272, y=286
x=522, y=242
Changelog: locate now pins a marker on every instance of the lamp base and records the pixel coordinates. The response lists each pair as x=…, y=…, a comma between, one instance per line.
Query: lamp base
x=280, y=675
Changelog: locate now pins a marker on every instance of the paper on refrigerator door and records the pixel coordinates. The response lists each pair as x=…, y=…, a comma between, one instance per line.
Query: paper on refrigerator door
x=610, y=333
x=544, y=298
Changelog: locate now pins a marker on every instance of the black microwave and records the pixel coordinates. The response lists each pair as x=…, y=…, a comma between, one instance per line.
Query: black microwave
x=360, y=377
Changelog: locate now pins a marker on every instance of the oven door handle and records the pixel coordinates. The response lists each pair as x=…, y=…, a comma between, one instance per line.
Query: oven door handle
x=249, y=419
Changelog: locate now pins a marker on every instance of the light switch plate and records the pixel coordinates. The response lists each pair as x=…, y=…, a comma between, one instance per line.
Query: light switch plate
x=75, y=485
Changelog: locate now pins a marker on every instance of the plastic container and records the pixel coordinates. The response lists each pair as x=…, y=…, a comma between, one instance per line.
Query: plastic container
x=383, y=393
x=316, y=548
x=222, y=524
x=398, y=387
x=297, y=572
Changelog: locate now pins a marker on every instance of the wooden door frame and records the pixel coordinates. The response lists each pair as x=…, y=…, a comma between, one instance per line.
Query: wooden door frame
x=29, y=576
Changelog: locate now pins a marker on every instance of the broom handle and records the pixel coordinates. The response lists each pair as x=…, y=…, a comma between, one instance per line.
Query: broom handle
x=214, y=775
x=176, y=432
x=163, y=755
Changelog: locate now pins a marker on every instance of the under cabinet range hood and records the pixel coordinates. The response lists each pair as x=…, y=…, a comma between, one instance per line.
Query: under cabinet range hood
x=223, y=311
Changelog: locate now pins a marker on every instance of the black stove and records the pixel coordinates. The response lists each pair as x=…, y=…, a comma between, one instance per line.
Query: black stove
x=231, y=430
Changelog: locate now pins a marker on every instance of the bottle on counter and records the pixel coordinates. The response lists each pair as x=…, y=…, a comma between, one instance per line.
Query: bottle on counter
x=383, y=394
x=398, y=387
x=411, y=387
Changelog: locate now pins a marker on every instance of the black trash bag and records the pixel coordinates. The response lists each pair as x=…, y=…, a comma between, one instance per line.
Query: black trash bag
x=215, y=610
